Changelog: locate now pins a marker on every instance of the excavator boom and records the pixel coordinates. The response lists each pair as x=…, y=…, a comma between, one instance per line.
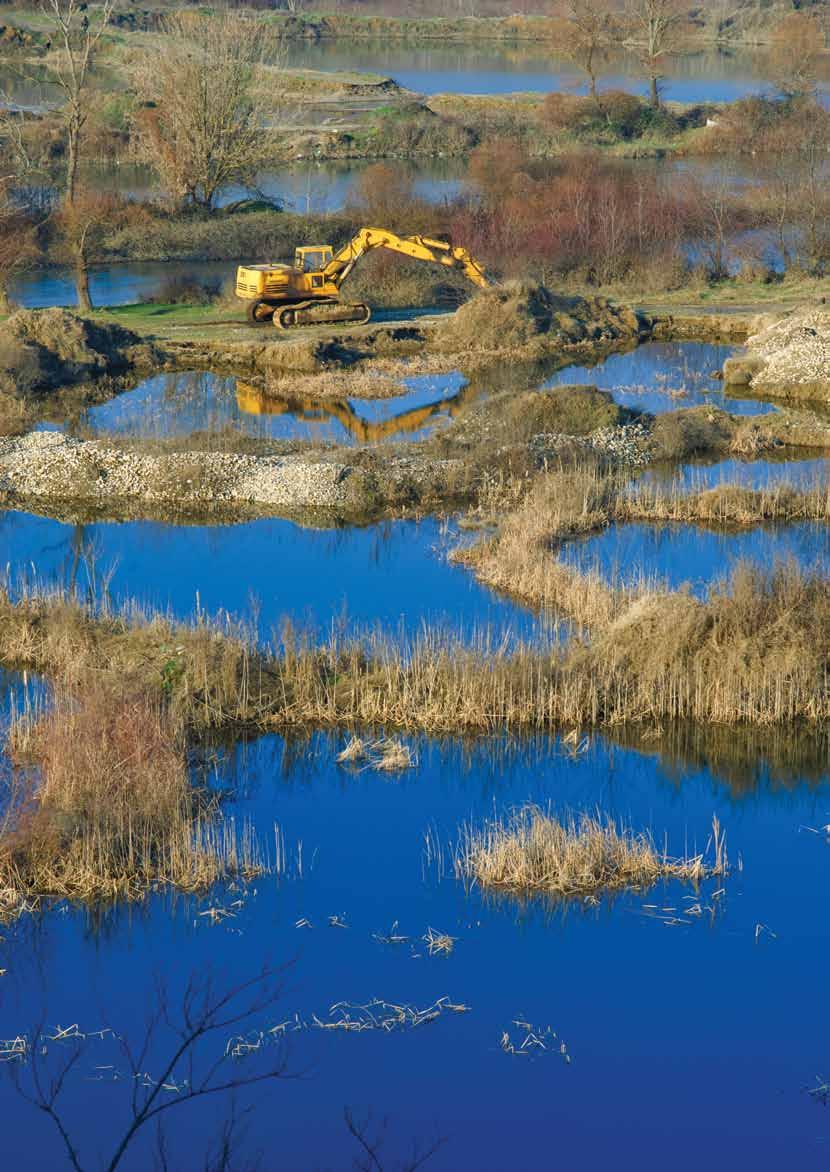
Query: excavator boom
x=308, y=292
x=418, y=247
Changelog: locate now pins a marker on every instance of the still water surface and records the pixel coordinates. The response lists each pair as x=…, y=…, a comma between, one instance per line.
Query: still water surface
x=691, y=1038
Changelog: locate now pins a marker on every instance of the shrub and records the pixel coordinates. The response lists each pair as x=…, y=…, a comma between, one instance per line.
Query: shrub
x=693, y=431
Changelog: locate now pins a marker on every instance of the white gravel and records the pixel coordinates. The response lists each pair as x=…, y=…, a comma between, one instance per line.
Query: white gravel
x=623, y=445
x=51, y=466
x=794, y=351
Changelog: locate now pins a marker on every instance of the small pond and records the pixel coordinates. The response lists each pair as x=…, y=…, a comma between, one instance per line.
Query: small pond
x=688, y=1022
x=394, y=575
x=662, y=376
x=691, y=554
x=446, y=66
x=802, y=472
x=194, y=401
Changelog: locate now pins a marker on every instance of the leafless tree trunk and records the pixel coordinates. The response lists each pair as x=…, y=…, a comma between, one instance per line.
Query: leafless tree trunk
x=77, y=29
x=589, y=23
x=655, y=24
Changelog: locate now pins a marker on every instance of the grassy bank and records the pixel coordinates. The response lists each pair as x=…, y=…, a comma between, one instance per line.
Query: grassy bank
x=754, y=652
x=574, y=502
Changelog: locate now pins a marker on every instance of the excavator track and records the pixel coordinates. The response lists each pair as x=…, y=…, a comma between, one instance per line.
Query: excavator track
x=317, y=313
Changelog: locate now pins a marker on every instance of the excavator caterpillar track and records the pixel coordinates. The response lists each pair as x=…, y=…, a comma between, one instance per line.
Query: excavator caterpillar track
x=317, y=313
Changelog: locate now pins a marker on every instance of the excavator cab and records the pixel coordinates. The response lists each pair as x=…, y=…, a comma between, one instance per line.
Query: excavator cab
x=313, y=258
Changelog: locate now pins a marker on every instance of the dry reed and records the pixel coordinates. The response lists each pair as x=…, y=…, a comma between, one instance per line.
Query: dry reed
x=755, y=651
x=384, y=753
x=103, y=807
x=533, y=851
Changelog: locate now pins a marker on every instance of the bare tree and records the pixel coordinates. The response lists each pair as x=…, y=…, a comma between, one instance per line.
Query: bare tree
x=370, y=1136
x=18, y=214
x=589, y=35
x=76, y=30
x=656, y=24
x=199, y=125
x=796, y=51
x=713, y=200
x=82, y=224
x=191, y=1061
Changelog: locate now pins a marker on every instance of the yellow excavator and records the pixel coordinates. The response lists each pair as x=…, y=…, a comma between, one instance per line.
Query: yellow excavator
x=307, y=293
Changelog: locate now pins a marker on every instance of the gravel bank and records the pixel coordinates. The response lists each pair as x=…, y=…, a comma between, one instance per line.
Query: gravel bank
x=789, y=358
x=44, y=467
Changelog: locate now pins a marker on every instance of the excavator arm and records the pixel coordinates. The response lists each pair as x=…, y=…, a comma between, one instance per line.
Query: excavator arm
x=418, y=247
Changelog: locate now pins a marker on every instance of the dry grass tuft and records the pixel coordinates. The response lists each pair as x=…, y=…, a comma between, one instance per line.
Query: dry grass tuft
x=385, y=754
x=438, y=943
x=533, y=851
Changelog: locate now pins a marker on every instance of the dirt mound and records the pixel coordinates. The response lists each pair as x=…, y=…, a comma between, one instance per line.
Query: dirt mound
x=521, y=316
x=567, y=410
x=790, y=357
x=41, y=349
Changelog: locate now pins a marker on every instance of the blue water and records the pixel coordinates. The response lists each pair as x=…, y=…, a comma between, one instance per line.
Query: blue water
x=687, y=1039
x=758, y=474
x=113, y=284
x=393, y=574
x=183, y=403
x=310, y=186
x=447, y=67
x=691, y=555
x=662, y=376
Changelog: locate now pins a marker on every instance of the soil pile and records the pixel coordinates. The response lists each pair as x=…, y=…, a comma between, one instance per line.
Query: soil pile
x=790, y=357
x=41, y=349
x=529, y=318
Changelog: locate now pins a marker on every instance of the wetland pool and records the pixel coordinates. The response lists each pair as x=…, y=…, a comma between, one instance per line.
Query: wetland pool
x=678, y=555
x=393, y=575
x=661, y=376
x=180, y=404
x=679, y=1033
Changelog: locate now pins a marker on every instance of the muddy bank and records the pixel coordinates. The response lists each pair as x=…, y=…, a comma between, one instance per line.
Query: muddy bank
x=787, y=358
x=505, y=438
x=704, y=327
x=45, y=349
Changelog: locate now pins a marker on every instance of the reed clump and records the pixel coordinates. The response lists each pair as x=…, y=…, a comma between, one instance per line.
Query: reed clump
x=385, y=754
x=102, y=805
x=754, y=651
x=531, y=850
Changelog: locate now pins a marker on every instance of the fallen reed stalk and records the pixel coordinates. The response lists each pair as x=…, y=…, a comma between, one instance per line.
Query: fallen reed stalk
x=531, y=850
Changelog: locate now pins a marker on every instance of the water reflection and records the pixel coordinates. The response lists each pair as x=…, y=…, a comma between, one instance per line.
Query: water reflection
x=191, y=402
x=708, y=75
x=392, y=418
x=662, y=376
x=692, y=555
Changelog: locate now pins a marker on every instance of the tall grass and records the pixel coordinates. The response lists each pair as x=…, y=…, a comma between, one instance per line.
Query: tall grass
x=755, y=651
x=101, y=804
x=532, y=850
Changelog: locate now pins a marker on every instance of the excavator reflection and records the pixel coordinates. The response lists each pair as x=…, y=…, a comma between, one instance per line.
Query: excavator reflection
x=253, y=401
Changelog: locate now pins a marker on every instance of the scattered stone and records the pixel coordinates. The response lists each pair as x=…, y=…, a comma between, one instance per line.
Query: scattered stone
x=49, y=466
x=789, y=358
x=627, y=444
